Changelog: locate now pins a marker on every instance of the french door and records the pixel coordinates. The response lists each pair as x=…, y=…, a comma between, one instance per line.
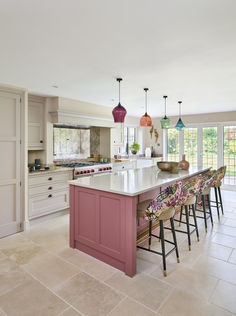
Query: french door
x=10, y=176
x=212, y=145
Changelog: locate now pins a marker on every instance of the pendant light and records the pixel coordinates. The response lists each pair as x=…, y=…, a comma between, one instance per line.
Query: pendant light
x=180, y=125
x=119, y=112
x=165, y=121
x=146, y=119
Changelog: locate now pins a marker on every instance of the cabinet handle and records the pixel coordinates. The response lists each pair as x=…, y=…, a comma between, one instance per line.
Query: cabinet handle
x=50, y=195
x=49, y=188
x=50, y=178
x=41, y=141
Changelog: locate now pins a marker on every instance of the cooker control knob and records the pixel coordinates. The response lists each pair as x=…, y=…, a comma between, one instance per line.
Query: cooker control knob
x=88, y=171
x=81, y=172
x=92, y=170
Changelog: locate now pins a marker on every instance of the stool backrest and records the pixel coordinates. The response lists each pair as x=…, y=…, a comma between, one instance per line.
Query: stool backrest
x=207, y=179
x=190, y=188
x=166, y=199
x=219, y=175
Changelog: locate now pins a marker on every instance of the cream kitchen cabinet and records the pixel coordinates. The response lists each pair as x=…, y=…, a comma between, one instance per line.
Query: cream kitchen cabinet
x=48, y=193
x=35, y=123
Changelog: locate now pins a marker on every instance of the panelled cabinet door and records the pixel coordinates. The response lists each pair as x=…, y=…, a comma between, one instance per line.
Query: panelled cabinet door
x=10, y=208
x=35, y=125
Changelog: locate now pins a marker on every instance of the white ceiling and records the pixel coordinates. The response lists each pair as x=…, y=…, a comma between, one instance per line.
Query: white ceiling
x=183, y=48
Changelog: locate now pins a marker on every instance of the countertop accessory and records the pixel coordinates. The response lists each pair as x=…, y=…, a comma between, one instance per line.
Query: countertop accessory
x=180, y=125
x=170, y=166
x=119, y=112
x=184, y=164
x=134, y=148
x=146, y=119
x=165, y=121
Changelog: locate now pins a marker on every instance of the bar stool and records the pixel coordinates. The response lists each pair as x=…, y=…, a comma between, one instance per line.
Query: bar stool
x=187, y=201
x=216, y=184
x=161, y=209
x=204, y=196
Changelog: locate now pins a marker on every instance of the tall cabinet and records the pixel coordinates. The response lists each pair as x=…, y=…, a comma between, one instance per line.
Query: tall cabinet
x=36, y=123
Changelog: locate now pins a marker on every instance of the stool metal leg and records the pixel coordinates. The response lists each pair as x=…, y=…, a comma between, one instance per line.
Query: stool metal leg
x=163, y=247
x=181, y=214
x=150, y=234
x=217, y=203
x=174, y=238
x=221, y=203
x=188, y=228
x=195, y=222
x=204, y=211
x=209, y=206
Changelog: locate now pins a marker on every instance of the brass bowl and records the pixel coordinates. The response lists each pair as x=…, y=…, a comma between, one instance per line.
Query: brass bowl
x=170, y=166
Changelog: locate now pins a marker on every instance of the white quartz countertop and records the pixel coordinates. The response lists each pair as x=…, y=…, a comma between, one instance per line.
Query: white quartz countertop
x=135, y=181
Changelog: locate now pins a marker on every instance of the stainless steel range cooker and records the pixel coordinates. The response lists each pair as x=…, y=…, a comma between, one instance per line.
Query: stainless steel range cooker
x=84, y=169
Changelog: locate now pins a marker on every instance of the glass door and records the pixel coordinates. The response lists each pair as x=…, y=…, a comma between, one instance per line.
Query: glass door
x=209, y=146
x=172, y=145
x=191, y=145
x=230, y=154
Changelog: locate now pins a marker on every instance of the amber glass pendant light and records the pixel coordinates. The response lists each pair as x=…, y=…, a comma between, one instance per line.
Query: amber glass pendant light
x=146, y=119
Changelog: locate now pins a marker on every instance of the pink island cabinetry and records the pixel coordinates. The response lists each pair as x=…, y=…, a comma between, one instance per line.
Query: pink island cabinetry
x=103, y=220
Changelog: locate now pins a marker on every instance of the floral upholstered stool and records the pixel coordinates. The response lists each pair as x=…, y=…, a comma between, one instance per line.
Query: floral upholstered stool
x=203, y=197
x=216, y=184
x=187, y=201
x=161, y=209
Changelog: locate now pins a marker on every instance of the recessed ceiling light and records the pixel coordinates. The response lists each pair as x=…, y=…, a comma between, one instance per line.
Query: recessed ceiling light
x=54, y=86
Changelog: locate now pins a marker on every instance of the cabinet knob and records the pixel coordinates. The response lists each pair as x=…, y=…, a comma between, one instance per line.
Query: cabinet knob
x=49, y=188
x=41, y=141
x=50, y=178
x=50, y=195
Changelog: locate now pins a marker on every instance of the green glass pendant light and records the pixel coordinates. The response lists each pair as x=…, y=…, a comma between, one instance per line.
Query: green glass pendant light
x=165, y=121
x=180, y=125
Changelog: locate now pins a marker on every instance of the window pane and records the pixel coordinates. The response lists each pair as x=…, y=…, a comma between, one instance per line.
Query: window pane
x=209, y=146
x=190, y=145
x=230, y=154
x=173, y=145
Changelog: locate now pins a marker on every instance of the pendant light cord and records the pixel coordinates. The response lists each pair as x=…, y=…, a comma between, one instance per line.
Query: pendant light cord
x=165, y=97
x=146, y=90
x=119, y=80
x=179, y=108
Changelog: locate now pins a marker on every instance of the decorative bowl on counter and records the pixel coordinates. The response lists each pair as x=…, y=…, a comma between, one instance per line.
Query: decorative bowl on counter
x=170, y=166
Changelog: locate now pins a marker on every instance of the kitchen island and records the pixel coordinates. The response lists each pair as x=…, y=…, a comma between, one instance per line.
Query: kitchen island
x=103, y=219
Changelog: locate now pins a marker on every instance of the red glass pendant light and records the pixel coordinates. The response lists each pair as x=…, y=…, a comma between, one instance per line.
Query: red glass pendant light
x=119, y=112
x=146, y=119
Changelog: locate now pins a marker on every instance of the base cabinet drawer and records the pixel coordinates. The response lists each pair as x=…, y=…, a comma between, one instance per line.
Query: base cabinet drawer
x=50, y=178
x=48, y=188
x=47, y=203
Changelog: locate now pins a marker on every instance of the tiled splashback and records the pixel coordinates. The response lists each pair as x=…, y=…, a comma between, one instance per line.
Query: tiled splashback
x=95, y=141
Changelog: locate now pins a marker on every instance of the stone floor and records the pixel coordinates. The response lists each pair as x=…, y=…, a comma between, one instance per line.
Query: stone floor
x=41, y=275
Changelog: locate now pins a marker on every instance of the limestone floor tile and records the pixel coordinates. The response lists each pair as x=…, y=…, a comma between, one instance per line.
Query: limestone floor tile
x=225, y=296
x=31, y=298
x=227, y=230
x=99, y=270
x=70, y=312
x=12, y=241
x=129, y=307
x=225, y=240
x=11, y=275
x=80, y=259
x=231, y=215
x=23, y=254
x=142, y=288
x=232, y=258
x=145, y=266
x=215, y=267
x=2, y=312
x=51, y=270
x=182, y=303
x=2, y=256
x=218, y=251
x=230, y=222
x=89, y=296
x=197, y=283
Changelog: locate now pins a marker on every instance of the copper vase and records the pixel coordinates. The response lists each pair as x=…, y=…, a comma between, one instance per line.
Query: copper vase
x=184, y=164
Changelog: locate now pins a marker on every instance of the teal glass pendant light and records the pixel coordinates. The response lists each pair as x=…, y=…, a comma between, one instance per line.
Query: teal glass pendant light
x=180, y=125
x=165, y=121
